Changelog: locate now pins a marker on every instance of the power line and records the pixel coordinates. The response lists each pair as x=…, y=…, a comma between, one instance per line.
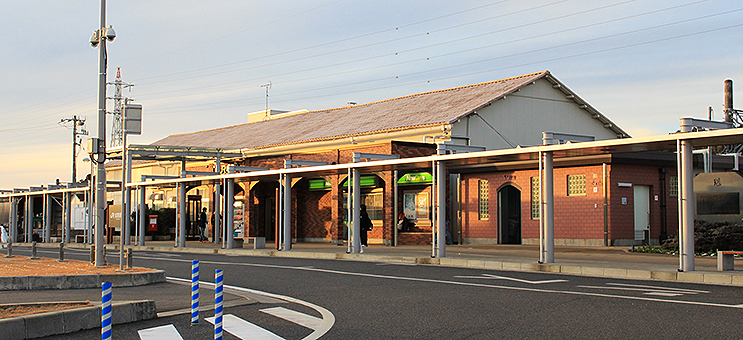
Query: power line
x=345, y=49
x=521, y=39
x=327, y=43
x=489, y=70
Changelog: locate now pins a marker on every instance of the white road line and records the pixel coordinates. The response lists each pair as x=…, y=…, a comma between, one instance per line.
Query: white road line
x=646, y=290
x=496, y=277
x=167, y=332
x=301, y=319
x=656, y=287
x=243, y=329
x=471, y=284
x=328, y=319
x=663, y=294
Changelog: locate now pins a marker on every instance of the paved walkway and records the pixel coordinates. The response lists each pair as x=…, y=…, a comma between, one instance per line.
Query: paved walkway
x=591, y=261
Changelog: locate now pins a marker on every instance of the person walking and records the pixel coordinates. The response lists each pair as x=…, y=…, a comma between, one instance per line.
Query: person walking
x=202, y=225
x=366, y=225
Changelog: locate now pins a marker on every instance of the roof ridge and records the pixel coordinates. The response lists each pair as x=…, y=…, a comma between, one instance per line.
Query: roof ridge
x=545, y=72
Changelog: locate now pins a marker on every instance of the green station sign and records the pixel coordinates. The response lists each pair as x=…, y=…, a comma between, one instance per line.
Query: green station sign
x=415, y=178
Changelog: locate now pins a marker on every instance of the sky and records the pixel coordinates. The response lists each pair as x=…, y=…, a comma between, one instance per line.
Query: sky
x=199, y=65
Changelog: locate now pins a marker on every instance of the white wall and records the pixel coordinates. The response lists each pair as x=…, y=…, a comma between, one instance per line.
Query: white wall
x=523, y=116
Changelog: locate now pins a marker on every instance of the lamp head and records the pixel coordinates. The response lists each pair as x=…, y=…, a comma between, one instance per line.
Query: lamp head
x=110, y=33
x=94, y=39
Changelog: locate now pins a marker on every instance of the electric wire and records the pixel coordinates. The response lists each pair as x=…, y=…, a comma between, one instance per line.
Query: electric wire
x=493, y=69
x=417, y=48
x=495, y=58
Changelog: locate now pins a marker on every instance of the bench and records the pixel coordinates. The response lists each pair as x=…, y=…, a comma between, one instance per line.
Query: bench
x=259, y=242
x=726, y=259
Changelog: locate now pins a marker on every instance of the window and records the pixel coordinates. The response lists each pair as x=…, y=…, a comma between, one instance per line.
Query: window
x=535, y=198
x=374, y=202
x=673, y=183
x=484, y=200
x=374, y=205
x=576, y=185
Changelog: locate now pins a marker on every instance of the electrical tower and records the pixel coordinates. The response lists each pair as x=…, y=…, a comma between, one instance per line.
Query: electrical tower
x=117, y=128
x=76, y=122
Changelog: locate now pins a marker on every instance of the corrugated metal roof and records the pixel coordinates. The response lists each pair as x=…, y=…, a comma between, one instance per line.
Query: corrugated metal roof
x=417, y=110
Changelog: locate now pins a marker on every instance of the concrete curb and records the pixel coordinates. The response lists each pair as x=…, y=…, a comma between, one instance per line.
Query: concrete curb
x=73, y=320
x=717, y=278
x=79, y=281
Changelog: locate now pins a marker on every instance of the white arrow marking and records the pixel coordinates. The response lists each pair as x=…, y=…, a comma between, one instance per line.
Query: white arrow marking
x=243, y=329
x=167, y=332
x=301, y=319
x=496, y=277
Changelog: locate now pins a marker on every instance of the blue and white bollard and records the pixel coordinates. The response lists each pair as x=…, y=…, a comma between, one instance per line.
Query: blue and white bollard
x=194, y=292
x=218, y=305
x=106, y=311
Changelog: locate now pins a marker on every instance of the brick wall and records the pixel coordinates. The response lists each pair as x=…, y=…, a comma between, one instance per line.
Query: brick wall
x=576, y=217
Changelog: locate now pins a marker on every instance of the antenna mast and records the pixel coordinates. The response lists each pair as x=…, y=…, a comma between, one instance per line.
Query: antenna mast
x=268, y=87
x=117, y=128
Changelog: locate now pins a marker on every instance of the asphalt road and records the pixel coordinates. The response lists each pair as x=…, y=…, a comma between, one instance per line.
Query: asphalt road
x=394, y=301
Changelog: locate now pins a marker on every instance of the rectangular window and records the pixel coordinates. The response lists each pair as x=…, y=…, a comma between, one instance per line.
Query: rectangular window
x=535, y=198
x=673, y=184
x=576, y=185
x=374, y=205
x=484, y=200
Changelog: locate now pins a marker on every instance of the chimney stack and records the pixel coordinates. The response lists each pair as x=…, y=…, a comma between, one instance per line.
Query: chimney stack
x=729, y=100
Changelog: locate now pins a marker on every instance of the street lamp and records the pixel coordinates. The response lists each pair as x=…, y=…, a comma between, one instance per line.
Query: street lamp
x=98, y=145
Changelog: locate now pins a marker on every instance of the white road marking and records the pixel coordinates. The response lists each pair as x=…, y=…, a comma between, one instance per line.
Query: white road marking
x=243, y=329
x=167, y=332
x=656, y=287
x=471, y=284
x=301, y=319
x=328, y=319
x=663, y=294
x=644, y=290
x=496, y=277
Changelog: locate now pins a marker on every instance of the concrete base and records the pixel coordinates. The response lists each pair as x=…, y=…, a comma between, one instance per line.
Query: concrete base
x=73, y=320
x=79, y=281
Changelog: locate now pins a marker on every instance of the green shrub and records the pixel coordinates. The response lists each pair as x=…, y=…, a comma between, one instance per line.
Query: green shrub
x=709, y=237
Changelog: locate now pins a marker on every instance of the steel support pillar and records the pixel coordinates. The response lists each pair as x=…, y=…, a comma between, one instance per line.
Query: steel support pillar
x=29, y=218
x=349, y=211
x=217, y=200
x=396, y=211
x=440, y=209
x=67, y=213
x=549, y=209
x=13, y=232
x=229, y=210
x=181, y=214
x=127, y=206
x=686, y=183
x=47, y=218
x=143, y=218
x=356, y=217
x=287, y=211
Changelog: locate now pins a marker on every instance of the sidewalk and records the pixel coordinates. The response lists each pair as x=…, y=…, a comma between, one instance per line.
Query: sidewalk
x=617, y=262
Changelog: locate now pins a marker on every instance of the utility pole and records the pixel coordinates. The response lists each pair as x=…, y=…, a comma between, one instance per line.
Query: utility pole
x=75, y=123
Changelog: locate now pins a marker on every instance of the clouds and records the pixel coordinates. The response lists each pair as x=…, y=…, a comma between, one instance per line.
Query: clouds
x=199, y=65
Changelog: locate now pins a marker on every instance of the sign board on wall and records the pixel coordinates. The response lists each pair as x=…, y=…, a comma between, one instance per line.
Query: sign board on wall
x=114, y=216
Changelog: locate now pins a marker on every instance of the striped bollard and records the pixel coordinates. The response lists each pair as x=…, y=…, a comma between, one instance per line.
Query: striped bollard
x=218, y=305
x=106, y=311
x=194, y=292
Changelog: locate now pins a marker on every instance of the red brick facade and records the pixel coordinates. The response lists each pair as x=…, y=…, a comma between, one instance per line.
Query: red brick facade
x=318, y=216
x=579, y=220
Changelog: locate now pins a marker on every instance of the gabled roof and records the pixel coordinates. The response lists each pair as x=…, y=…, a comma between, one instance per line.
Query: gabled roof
x=412, y=111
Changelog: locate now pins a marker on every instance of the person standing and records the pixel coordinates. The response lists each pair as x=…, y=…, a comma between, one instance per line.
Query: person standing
x=366, y=225
x=202, y=225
